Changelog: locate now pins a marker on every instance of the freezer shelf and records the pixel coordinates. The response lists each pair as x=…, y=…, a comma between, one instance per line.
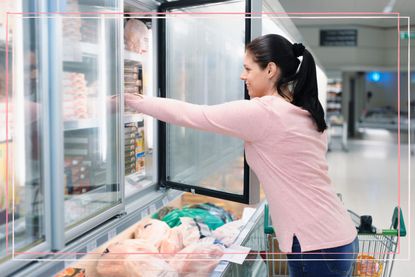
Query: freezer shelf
x=130, y=118
x=131, y=56
x=80, y=124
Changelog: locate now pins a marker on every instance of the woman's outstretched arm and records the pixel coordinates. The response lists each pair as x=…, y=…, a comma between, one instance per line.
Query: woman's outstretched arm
x=245, y=119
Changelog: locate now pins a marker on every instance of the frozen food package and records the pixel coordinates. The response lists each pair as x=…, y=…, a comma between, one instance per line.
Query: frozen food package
x=111, y=262
x=172, y=244
x=152, y=230
x=89, y=30
x=75, y=96
x=189, y=231
x=136, y=36
x=198, y=259
x=129, y=141
x=130, y=76
x=148, y=266
x=131, y=89
x=129, y=159
x=228, y=233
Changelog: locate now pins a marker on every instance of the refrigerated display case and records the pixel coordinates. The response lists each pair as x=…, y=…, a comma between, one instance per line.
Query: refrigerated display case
x=138, y=79
x=84, y=73
x=21, y=142
x=62, y=159
x=104, y=167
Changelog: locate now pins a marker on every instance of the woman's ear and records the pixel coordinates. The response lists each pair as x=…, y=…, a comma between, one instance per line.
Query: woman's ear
x=272, y=70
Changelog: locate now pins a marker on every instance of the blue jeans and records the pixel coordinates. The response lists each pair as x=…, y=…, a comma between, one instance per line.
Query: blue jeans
x=327, y=264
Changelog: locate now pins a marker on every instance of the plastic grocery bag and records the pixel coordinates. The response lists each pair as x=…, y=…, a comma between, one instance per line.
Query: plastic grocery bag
x=200, y=215
x=215, y=210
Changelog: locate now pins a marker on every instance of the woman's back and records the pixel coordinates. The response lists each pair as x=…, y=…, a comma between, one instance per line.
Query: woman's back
x=291, y=165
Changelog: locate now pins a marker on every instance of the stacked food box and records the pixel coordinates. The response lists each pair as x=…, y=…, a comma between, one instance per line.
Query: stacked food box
x=134, y=148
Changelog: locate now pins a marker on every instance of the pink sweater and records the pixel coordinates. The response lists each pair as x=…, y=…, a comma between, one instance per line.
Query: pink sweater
x=287, y=153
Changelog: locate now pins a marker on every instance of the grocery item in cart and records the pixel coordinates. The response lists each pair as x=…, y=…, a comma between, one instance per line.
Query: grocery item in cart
x=367, y=266
x=71, y=272
x=136, y=36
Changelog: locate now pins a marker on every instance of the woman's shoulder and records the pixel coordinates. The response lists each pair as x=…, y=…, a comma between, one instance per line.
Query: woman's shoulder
x=272, y=102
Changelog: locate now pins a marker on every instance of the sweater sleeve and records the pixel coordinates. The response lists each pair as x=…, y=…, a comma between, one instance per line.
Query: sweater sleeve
x=245, y=119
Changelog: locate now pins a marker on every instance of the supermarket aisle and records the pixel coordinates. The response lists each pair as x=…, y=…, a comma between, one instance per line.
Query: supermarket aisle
x=367, y=178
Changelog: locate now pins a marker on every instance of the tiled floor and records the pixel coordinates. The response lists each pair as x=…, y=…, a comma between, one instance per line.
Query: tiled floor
x=367, y=177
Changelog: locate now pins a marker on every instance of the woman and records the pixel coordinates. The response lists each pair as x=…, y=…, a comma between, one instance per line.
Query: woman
x=285, y=144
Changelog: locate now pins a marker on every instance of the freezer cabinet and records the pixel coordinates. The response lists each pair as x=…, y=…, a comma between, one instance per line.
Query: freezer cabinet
x=250, y=235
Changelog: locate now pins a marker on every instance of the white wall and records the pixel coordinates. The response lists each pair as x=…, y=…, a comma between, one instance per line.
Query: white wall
x=377, y=48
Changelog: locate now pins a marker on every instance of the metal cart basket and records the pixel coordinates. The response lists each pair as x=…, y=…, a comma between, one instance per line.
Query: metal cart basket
x=377, y=248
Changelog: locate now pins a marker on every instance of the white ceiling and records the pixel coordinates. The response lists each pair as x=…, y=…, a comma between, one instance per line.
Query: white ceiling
x=404, y=7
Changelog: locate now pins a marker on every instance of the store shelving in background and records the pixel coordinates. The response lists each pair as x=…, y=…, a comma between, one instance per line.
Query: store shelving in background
x=334, y=98
x=337, y=126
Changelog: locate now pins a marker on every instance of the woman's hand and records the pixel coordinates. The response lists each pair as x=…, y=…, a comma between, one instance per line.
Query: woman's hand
x=131, y=100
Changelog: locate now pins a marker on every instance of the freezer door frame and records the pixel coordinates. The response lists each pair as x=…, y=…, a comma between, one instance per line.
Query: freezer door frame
x=252, y=29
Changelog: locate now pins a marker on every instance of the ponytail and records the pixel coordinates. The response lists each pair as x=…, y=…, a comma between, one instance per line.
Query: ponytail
x=305, y=94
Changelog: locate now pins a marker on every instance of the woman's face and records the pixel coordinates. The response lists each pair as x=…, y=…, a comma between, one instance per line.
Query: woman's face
x=257, y=80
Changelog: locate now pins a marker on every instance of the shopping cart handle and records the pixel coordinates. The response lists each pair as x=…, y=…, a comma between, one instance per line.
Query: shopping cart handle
x=398, y=223
x=268, y=229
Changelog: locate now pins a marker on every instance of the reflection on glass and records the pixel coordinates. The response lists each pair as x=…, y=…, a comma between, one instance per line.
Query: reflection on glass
x=90, y=124
x=24, y=200
x=138, y=154
x=205, y=73
x=228, y=178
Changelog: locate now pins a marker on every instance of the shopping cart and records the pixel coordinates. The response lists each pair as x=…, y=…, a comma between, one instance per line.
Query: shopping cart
x=377, y=248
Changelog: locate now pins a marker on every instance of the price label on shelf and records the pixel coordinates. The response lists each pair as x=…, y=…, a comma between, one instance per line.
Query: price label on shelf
x=236, y=254
x=112, y=234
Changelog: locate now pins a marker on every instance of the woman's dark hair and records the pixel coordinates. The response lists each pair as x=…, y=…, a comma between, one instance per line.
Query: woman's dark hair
x=277, y=49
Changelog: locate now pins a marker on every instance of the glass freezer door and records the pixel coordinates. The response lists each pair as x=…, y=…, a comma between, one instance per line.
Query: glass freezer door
x=204, y=55
x=22, y=179
x=86, y=76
